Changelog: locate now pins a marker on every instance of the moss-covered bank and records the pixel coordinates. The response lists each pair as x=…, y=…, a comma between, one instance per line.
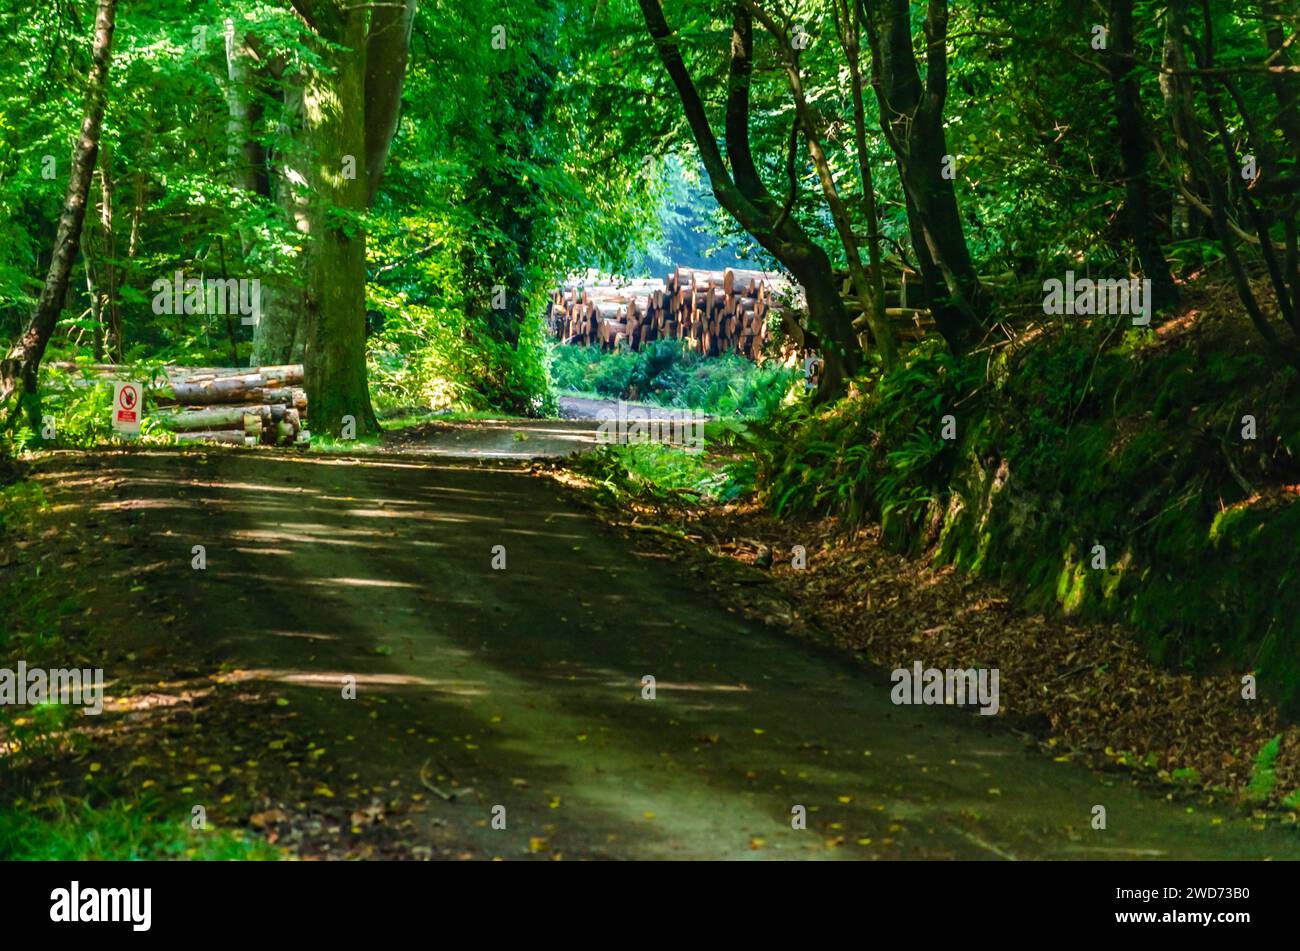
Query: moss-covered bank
x=1105, y=471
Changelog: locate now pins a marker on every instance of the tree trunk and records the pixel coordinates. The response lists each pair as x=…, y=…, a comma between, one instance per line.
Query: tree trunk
x=339, y=101
x=1195, y=149
x=911, y=116
x=387, y=48
x=1131, y=131
x=112, y=308
x=334, y=132
x=1183, y=175
x=278, y=337
x=280, y=308
x=92, y=292
x=1286, y=89
x=1286, y=85
x=749, y=202
x=851, y=39
x=20, y=368
x=241, y=149
x=838, y=211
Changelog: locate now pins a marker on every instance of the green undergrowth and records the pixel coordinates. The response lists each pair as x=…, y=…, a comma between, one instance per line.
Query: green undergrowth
x=117, y=832
x=1099, y=471
x=445, y=353
x=1263, y=776
x=31, y=625
x=669, y=374
x=20, y=502
x=656, y=474
x=321, y=442
x=75, y=411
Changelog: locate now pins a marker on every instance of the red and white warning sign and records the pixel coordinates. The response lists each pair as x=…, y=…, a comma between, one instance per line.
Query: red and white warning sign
x=128, y=407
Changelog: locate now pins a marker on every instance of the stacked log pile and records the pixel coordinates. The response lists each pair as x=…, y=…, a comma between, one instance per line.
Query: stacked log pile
x=714, y=312
x=233, y=405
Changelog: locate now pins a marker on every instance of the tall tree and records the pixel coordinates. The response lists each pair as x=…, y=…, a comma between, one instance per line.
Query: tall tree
x=20, y=368
x=349, y=118
x=1139, y=213
x=250, y=72
x=740, y=190
x=848, y=27
x=869, y=289
x=911, y=116
x=1193, y=143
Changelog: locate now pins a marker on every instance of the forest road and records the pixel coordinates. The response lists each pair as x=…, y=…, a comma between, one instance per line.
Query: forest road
x=577, y=430
x=514, y=694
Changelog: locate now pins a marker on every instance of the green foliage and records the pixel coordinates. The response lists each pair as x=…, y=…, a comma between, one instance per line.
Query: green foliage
x=654, y=474
x=426, y=357
x=31, y=624
x=1083, y=438
x=121, y=831
x=487, y=201
x=492, y=141
x=668, y=373
x=361, y=444
x=39, y=731
x=1263, y=777
x=876, y=453
x=78, y=405
x=689, y=224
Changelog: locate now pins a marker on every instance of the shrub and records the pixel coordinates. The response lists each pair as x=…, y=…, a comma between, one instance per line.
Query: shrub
x=668, y=373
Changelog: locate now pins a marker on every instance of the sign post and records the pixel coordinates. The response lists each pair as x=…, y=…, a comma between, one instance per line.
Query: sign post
x=128, y=407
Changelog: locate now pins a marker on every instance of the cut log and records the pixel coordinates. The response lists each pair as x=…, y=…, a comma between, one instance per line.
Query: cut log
x=709, y=310
x=230, y=405
x=182, y=418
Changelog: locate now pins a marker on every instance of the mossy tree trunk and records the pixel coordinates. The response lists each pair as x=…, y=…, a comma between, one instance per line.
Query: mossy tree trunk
x=342, y=171
x=335, y=254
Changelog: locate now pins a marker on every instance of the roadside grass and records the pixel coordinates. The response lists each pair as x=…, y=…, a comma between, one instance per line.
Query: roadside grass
x=657, y=475
x=362, y=444
x=407, y=420
x=1263, y=775
x=120, y=831
x=30, y=623
x=76, y=411
x=19, y=503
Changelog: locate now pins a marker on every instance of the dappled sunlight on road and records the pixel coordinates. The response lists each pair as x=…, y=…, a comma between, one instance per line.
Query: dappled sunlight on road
x=525, y=684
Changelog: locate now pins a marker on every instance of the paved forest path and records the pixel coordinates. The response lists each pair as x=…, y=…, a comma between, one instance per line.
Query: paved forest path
x=577, y=430
x=521, y=687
